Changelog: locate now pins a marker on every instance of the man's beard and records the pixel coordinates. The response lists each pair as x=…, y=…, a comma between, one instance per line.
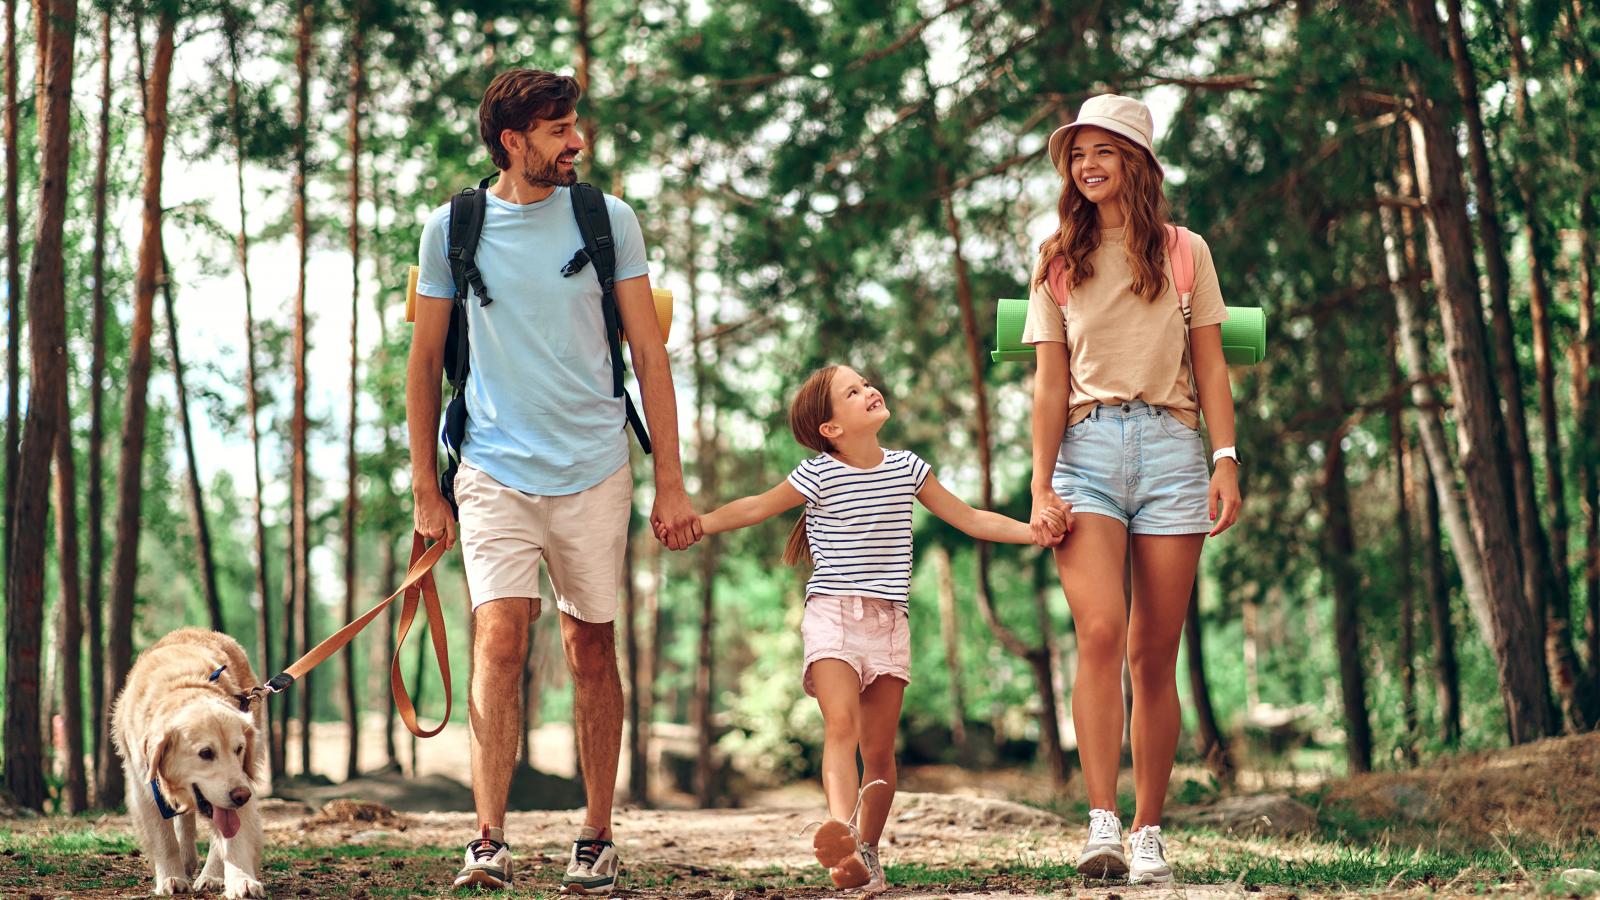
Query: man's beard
x=549, y=173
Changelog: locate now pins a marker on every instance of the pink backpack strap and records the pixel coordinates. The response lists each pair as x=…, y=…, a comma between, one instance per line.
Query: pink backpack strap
x=1055, y=275
x=1181, y=251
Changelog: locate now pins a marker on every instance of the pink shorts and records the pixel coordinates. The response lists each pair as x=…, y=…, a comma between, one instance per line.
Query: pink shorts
x=872, y=635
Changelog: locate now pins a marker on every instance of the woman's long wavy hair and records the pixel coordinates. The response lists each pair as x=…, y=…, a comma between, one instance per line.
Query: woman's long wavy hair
x=1064, y=255
x=812, y=406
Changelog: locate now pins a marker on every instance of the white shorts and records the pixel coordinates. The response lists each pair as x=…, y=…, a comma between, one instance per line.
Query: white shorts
x=581, y=537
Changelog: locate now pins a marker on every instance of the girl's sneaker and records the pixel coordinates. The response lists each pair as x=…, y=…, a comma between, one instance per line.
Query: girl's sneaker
x=838, y=848
x=876, y=883
x=1149, y=857
x=1102, y=855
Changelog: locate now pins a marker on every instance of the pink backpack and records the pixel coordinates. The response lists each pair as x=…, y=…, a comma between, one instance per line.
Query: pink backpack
x=1179, y=250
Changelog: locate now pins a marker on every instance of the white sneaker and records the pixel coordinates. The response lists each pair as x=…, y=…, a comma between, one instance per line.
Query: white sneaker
x=876, y=883
x=593, y=867
x=488, y=862
x=1149, y=857
x=1102, y=855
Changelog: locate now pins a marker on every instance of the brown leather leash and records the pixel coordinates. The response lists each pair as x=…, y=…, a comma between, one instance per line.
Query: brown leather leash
x=417, y=588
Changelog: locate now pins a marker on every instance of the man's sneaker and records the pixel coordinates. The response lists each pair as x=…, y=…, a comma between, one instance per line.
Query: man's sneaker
x=594, y=865
x=1149, y=857
x=488, y=862
x=876, y=883
x=1102, y=855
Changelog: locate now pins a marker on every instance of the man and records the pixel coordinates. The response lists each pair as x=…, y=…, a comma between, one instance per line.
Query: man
x=544, y=469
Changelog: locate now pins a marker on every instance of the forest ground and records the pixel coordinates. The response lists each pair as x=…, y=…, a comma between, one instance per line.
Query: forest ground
x=1504, y=823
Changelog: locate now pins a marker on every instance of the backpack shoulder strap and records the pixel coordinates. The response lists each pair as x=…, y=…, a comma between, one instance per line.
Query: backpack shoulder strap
x=1055, y=274
x=1181, y=252
x=594, y=224
x=467, y=211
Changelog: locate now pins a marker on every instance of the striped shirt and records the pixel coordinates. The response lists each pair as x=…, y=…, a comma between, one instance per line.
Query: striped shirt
x=858, y=523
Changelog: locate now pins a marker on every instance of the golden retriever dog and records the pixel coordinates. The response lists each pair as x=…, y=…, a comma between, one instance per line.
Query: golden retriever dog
x=188, y=747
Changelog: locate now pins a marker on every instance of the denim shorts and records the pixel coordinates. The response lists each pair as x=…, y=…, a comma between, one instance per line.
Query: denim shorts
x=1138, y=464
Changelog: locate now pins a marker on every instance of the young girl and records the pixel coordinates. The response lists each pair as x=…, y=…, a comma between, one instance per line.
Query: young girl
x=1116, y=434
x=856, y=532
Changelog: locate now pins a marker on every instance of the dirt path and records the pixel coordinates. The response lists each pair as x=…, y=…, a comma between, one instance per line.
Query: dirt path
x=936, y=846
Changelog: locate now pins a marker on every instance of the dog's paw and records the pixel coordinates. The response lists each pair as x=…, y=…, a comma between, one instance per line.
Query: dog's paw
x=239, y=888
x=207, y=883
x=172, y=884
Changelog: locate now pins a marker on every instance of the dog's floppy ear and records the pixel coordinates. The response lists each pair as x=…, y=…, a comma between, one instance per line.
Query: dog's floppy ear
x=157, y=754
x=158, y=757
x=251, y=761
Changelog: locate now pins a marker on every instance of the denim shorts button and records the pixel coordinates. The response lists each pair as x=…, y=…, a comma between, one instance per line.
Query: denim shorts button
x=1127, y=408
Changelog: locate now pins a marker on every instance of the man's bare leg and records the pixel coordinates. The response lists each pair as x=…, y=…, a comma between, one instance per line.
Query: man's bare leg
x=591, y=649
x=499, y=649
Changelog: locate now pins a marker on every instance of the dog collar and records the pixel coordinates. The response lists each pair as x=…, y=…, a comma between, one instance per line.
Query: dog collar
x=167, y=812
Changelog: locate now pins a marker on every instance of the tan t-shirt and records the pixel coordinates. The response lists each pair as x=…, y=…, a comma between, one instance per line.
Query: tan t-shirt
x=1120, y=346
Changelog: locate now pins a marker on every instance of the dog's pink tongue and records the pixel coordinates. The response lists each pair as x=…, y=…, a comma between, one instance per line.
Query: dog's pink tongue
x=225, y=820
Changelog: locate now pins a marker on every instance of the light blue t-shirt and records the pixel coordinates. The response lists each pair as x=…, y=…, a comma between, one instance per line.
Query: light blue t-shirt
x=540, y=415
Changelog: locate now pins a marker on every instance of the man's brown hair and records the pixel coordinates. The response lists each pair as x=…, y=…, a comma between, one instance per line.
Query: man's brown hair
x=516, y=99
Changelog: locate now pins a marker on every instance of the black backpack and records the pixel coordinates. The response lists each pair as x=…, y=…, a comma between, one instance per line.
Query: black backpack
x=467, y=210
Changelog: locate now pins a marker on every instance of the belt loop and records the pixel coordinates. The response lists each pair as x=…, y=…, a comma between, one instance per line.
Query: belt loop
x=858, y=607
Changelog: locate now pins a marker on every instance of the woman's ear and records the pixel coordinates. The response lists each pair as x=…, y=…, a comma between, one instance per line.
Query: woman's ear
x=830, y=431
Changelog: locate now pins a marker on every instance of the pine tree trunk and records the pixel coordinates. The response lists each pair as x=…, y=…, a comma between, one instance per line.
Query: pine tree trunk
x=130, y=464
x=649, y=666
x=1404, y=584
x=46, y=389
x=1588, y=413
x=705, y=786
x=95, y=582
x=69, y=647
x=1040, y=659
x=391, y=715
x=1435, y=476
x=1210, y=744
x=582, y=25
x=1572, y=687
x=949, y=632
x=1435, y=585
x=1339, y=549
x=417, y=672
x=1043, y=662
x=290, y=625
x=530, y=695
x=1515, y=644
x=637, y=761
x=300, y=486
x=1528, y=525
x=197, y=506
x=252, y=401
x=352, y=711
x=1585, y=352
x=13, y=283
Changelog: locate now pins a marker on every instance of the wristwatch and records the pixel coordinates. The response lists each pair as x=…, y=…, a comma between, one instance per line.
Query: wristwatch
x=1229, y=452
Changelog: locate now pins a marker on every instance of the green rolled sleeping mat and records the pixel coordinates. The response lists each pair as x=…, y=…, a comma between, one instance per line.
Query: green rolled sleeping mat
x=1244, y=334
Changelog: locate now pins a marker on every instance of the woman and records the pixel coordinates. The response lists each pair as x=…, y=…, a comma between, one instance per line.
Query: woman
x=1125, y=368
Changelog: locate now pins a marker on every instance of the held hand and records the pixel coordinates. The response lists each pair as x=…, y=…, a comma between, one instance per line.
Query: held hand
x=1224, y=500
x=1059, y=521
x=673, y=520
x=432, y=517
x=1047, y=503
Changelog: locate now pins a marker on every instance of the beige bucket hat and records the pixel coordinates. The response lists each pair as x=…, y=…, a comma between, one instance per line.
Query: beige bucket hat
x=1123, y=115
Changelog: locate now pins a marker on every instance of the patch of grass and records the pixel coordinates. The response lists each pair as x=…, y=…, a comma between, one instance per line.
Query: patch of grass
x=73, y=842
